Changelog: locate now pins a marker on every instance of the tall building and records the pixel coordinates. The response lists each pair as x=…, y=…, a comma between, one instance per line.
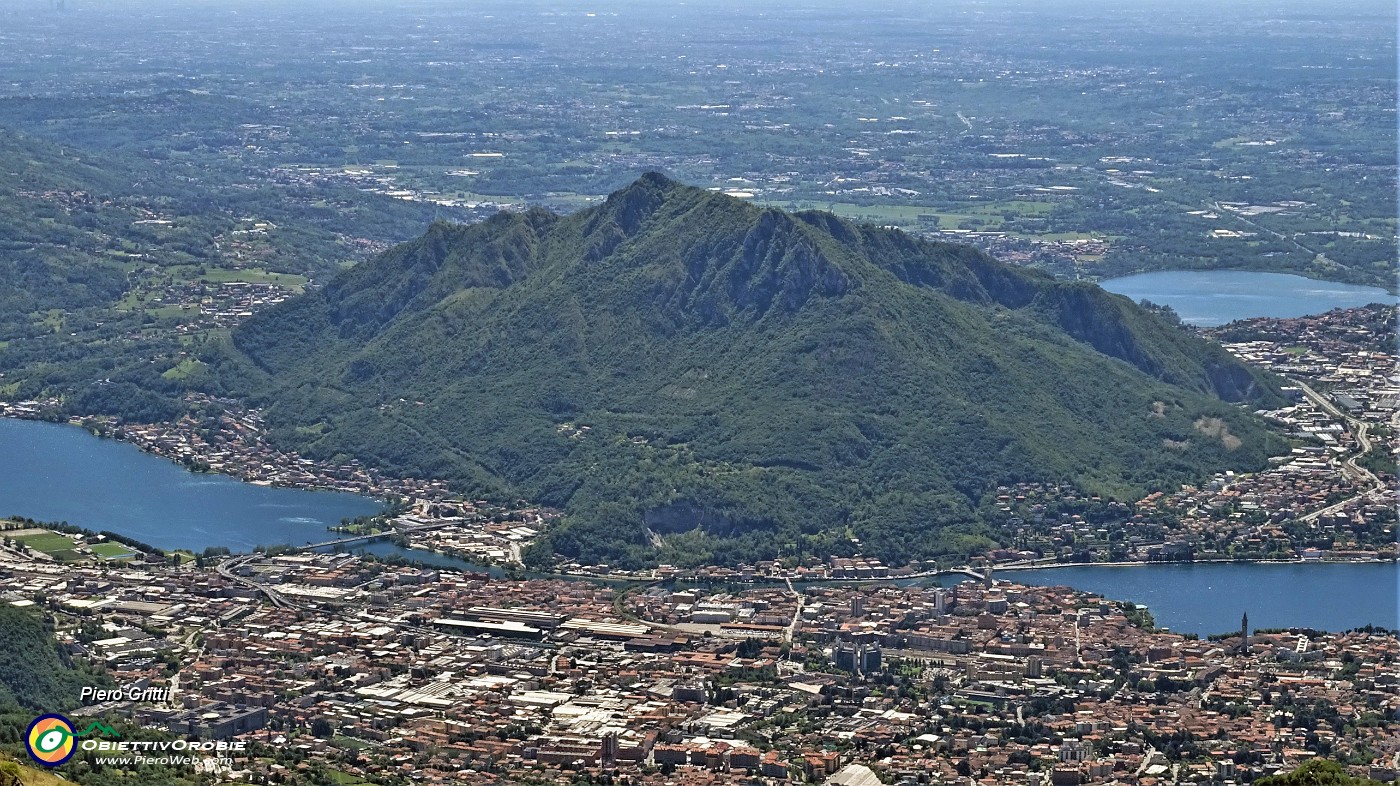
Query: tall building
x=609, y=748
x=870, y=660
x=1244, y=633
x=1034, y=667
x=861, y=656
x=846, y=657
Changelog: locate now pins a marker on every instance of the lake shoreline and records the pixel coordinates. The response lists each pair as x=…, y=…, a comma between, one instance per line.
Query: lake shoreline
x=1215, y=297
x=122, y=436
x=922, y=575
x=1390, y=287
x=98, y=485
x=1210, y=598
x=94, y=426
x=1241, y=561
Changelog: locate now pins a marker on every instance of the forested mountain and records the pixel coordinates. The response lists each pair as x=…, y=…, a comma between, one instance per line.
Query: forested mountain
x=34, y=675
x=693, y=377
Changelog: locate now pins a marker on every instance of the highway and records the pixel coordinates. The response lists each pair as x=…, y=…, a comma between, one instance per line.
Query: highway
x=227, y=568
x=1361, y=430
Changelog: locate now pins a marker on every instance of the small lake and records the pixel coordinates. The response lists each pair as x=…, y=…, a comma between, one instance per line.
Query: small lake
x=57, y=472
x=1207, y=598
x=1207, y=298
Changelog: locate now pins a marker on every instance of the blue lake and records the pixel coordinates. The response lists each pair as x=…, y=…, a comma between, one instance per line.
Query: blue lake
x=1213, y=297
x=56, y=472
x=1209, y=598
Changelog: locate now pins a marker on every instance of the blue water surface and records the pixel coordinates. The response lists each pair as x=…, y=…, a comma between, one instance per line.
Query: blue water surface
x=57, y=472
x=1213, y=297
x=1207, y=598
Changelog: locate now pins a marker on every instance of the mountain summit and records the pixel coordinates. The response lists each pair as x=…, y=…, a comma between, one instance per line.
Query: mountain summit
x=695, y=377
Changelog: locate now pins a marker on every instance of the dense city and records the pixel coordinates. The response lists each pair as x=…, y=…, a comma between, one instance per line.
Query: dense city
x=416, y=674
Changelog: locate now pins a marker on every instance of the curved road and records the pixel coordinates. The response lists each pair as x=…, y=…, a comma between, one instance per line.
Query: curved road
x=1350, y=468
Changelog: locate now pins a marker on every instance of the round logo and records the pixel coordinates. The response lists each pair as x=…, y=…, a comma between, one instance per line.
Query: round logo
x=50, y=740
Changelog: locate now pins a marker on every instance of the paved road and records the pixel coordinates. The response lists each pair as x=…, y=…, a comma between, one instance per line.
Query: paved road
x=1361, y=430
x=186, y=645
x=1242, y=218
x=791, y=629
x=227, y=567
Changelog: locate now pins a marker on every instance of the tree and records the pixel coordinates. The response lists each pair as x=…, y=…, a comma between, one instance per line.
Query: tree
x=1318, y=772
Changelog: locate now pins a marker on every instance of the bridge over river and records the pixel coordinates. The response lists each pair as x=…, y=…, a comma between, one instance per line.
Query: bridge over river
x=373, y=536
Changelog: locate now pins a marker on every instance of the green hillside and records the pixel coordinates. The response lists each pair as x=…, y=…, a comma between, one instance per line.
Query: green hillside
x=81, y=230
x=52, y=231
x=1318, y=772
x=12, y=773
x=34, y=675
x=106, y=259
x=696, y=378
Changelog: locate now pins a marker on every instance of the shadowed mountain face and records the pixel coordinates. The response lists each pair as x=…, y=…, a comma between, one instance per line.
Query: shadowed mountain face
x=693, y=377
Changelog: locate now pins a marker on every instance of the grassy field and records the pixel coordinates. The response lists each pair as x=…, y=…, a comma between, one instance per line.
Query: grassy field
x=472, y=196
x=112, y=550
x=52, y=319
x=184, y=369
x=352, y=743
x=62, y=548
x=172, y=312
x=253, y=276
x=570, y=202
x=346, y=779
x=51, y=543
